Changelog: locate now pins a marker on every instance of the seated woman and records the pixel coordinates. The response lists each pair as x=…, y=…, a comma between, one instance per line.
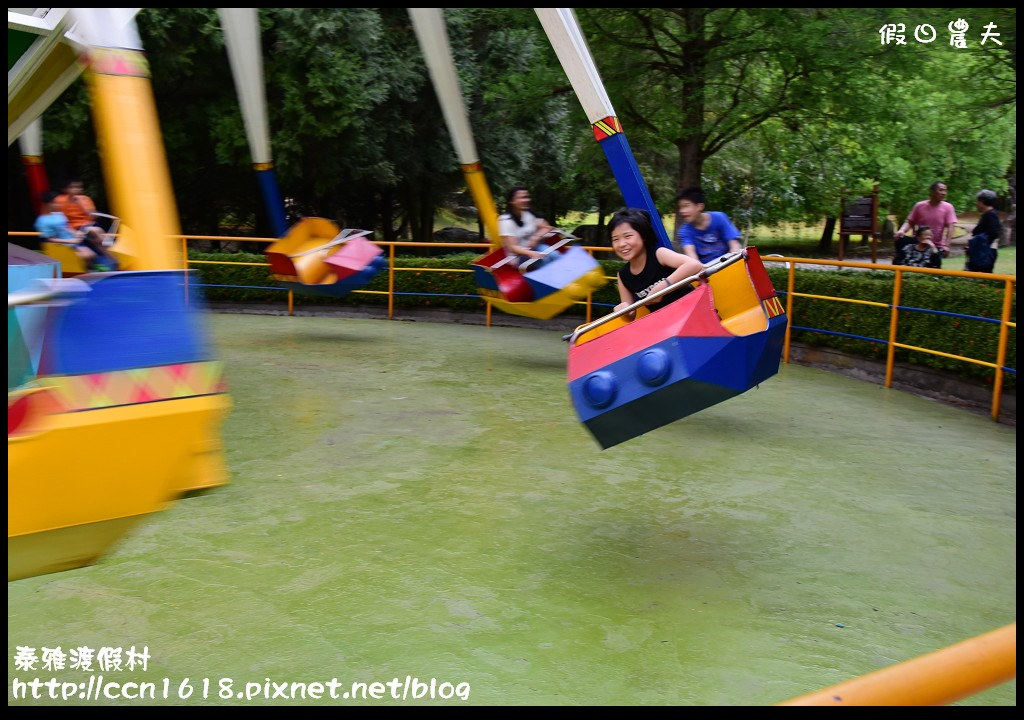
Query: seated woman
x=519, y=229
x=921, y=252
x=649, y=267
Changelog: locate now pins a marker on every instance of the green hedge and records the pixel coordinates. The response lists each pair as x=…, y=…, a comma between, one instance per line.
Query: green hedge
x=430, y=283
x=957, y=336
x=942, y=333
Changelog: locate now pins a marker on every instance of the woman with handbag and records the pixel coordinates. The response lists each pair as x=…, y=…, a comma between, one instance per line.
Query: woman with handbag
x=982, y=247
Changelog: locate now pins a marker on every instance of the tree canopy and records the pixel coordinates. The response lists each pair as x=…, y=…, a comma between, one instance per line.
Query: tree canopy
x=772, y=111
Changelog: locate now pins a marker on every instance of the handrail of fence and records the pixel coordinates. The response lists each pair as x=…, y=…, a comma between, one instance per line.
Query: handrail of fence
x=938, y=678
x=895, y=307
x=1009, y=282
x=391, y=244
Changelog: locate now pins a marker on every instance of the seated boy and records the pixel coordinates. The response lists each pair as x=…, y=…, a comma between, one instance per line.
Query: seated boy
x=707, y=235
x=53, y=225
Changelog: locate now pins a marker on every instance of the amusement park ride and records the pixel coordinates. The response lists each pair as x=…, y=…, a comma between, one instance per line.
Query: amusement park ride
x=625, y=378
x=114, y=398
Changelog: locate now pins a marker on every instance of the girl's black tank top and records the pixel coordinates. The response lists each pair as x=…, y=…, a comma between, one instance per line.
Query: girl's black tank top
x=643, y=282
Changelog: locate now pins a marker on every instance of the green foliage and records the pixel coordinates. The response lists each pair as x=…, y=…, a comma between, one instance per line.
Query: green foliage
x=774, y=109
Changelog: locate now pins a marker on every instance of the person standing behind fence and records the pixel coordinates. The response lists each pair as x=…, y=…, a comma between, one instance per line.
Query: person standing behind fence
x=934, y=212
x=981, y=248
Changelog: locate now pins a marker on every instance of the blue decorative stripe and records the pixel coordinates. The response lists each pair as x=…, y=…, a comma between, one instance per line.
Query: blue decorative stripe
x=631, y=182
x=484, y=279
x=127, y=320
x=272, y=201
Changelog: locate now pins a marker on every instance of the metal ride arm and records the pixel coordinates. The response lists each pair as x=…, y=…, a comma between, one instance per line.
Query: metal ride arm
x=339, y=239
x=570, y=45
x=719, y=264
x=432, y=36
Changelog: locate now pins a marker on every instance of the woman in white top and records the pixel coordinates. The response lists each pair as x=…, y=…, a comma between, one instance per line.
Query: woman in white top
x=518, y=227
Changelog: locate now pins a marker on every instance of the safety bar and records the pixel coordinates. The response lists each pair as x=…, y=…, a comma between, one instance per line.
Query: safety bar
x=115, y=222
x=504, y=261
x=716, y=265
x=566, y=237
x=338, y=239
x=111, y=232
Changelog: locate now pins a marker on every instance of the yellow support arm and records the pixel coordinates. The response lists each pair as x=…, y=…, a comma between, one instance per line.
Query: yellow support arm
x=134, y=161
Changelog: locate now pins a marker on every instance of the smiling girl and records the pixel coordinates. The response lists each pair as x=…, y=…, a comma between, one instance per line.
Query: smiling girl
x=649, y=267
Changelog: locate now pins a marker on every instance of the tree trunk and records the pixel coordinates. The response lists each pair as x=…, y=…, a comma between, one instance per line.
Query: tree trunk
x=825, y=244
x=691, y=162
x=602, y=214
x=412, y=213
x=692, y=99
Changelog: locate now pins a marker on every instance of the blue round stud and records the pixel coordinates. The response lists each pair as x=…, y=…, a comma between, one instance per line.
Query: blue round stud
x=654, y=366
x=600, y=388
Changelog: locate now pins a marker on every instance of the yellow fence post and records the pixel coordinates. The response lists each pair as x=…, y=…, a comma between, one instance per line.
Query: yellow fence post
x=291, y=302
x=890, y=355
x=391, y=281
x=790, y=289
x=184, y=258
x=1004, y=327
x=590, y=296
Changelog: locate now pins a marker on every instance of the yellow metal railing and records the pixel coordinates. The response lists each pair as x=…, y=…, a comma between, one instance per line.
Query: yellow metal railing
x=1009, y=282
x=1005, y=323
x=938, y=678
x=391, y=266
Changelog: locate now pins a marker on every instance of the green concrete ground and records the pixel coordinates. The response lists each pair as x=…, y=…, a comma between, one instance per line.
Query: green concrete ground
x=419, y=499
